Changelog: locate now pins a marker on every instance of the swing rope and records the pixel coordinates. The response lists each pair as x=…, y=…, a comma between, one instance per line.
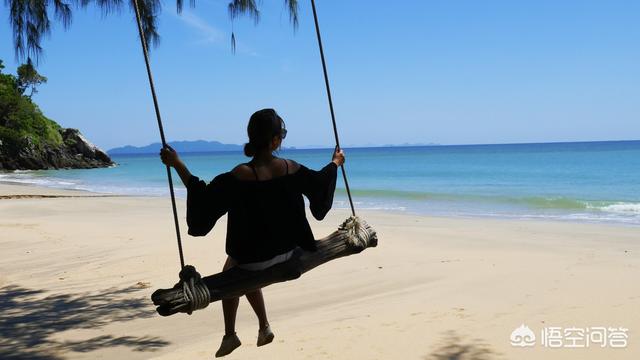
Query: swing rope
x=164, y=142
x=333, y=116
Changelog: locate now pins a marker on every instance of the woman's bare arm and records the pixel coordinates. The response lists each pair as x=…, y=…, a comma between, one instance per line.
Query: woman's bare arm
x=171, y=158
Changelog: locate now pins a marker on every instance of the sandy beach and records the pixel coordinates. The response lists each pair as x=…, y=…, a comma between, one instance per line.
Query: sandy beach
x=77, y=271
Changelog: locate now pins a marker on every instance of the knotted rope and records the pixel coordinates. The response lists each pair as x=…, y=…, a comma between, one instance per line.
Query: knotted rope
x=196, y=294
x=357, y=233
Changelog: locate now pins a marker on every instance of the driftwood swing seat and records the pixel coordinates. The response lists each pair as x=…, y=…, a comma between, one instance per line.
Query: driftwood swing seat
x=193, y=292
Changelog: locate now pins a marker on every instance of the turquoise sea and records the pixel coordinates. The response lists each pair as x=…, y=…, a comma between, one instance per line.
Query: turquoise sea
x=589, y=181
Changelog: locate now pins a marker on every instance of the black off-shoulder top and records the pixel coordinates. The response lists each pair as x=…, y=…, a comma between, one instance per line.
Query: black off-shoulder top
x=266, y=218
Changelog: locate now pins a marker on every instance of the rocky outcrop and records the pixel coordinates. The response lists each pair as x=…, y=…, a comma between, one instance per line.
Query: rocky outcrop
x=75, y=152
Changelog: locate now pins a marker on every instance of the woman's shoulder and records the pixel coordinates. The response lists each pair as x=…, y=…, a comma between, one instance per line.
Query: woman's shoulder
x=242, y=172
x=293, y=166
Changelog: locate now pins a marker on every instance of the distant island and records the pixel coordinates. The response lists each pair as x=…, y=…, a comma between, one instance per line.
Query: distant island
x=31, y=141
x=216, y=146
x=195, y=146
x=179, y=146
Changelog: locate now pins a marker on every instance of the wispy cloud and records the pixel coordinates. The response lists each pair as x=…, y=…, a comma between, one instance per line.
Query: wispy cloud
x=211, y=35
x=207, y=33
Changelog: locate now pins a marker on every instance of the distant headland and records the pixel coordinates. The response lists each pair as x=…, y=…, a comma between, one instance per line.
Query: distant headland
x=31, y=141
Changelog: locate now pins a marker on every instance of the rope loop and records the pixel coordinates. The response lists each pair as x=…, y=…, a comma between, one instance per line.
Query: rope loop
x=357, y=233
x=196, y=294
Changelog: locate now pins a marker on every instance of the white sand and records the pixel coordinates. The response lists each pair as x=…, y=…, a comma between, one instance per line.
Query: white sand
x=76, y=274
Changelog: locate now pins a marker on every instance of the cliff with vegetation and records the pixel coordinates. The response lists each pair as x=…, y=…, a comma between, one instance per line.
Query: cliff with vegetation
x=28, y=139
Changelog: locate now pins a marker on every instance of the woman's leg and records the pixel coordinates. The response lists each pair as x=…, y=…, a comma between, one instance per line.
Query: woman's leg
x=257, y=303
x=230, y=340
x=230, y=306
x=265, y=335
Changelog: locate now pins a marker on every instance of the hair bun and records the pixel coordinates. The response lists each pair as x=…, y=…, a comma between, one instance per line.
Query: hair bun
x=249, y=149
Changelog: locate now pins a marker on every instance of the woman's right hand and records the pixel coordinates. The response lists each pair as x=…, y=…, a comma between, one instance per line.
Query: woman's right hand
x=169, y=156
x=338, y=157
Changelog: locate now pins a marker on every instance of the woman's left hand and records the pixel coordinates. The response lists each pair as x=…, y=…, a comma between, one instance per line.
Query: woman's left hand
x=338, y=157
x=169, y=156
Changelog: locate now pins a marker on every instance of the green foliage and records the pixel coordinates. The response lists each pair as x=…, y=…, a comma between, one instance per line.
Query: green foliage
x=70, y=142
x=28, y=77
x=21, y=121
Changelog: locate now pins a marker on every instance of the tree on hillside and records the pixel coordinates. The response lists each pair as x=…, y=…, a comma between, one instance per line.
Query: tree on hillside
x=28, y=77
x=20, y=117
x=8, y=92
x=30, y=19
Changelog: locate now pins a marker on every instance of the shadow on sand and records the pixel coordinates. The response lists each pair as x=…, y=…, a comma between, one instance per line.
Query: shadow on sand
x=454, y=347
x=29, y=320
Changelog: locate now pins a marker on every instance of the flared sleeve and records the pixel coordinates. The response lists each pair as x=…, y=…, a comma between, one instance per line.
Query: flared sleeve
x=319, y=187
x=206, y=203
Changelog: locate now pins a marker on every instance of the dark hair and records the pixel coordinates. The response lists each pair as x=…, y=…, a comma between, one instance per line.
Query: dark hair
x=263, y=126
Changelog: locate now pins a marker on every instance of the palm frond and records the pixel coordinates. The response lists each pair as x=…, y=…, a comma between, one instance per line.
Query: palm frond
x=62, y=12
x=233, y=42
x=149, y=11
x=29, y=22
x=292, y=6
x=179, y=6
x=249, y=7
x=238, y=8
x=244, y=7
x=107, y=6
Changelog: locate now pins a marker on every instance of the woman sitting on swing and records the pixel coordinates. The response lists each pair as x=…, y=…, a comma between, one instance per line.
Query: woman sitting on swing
x=266, y=219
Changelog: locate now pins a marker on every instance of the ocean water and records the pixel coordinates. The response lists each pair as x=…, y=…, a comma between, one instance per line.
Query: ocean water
x=591, y=181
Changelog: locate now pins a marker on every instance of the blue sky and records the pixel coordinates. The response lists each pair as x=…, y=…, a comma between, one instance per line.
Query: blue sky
x=449, y=72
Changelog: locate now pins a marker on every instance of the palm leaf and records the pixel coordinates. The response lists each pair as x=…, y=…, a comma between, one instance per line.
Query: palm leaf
x=292, y=6
x=149, y=11
x=192, y=3
x=250, y=8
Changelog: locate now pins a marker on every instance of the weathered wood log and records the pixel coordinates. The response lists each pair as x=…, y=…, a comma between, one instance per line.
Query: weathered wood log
x=193, y=292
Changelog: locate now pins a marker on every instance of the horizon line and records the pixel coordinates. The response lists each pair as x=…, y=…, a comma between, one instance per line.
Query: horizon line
x=322, y=147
